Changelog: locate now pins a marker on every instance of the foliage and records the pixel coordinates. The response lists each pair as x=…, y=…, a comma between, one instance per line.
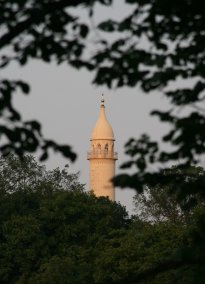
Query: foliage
x=164, y=202
x=44, y=30
x=51, y=231
x=21, y=175
x=128, y=254
x=159, y=46
x=48, y=227
x=172, y=54
x=156, y=204
x=179, y=200
x=185, y=265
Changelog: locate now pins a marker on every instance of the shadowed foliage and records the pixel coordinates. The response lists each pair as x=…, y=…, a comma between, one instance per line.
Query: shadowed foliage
x=51, y=231
x=159, y=46
x=43, y=30
x=48, y=225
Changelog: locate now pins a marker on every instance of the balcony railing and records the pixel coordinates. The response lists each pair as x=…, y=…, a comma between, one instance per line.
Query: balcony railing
x=102, y=155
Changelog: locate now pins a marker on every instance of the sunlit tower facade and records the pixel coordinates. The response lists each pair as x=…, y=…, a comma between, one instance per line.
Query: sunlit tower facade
x=102, y=157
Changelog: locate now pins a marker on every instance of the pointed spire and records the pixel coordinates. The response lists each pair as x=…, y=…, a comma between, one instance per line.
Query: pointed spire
x=102, y=129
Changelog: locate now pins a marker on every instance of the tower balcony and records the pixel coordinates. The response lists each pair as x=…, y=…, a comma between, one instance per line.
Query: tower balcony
x=102, y=155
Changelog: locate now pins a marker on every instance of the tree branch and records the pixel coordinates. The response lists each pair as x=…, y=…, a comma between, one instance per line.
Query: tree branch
x=24, y=25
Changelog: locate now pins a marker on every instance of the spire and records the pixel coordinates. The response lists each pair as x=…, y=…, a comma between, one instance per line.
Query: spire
x=102, y=129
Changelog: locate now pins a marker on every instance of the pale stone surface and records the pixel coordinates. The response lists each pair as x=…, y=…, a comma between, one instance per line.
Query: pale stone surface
x=102, y=157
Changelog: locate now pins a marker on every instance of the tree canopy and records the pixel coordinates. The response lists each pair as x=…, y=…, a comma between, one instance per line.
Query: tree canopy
x=49, y=225
x=52, y=231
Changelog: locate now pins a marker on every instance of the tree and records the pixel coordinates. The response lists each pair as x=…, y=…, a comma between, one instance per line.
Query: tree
x=49, y=227
x=128, y=255
x=174, y=256
x=173, y=36
x=51, y=231
x=19, y=180
x=44, y=30
x=172, y=33
x=159, y=48
x=156, y=204
x=164, y=202
x=171, y=60
x=20, y=175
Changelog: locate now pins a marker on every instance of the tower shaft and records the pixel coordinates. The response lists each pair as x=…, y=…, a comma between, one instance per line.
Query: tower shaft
x=102, y=157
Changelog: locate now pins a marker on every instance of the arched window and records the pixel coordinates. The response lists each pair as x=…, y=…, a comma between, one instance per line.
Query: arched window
x=99, y=149
x=106, y=150
x=93, y=148
x=112, y=147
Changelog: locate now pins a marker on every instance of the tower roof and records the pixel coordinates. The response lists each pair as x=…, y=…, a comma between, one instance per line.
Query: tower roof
x=102, y=129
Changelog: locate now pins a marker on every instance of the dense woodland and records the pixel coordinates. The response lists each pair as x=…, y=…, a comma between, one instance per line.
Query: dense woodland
x=54, y=232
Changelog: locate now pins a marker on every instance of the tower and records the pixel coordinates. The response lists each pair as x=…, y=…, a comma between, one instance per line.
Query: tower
x=102, y=157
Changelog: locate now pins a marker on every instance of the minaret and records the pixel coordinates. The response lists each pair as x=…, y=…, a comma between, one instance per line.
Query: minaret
x=102, y=157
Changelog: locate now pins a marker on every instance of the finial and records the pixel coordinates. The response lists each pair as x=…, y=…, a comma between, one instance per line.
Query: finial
x=102, y=101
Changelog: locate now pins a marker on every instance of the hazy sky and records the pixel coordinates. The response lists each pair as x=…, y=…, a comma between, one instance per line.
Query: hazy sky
x=67, y=105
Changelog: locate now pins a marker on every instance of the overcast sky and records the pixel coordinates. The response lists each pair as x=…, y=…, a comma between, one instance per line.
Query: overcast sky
x=67, y=104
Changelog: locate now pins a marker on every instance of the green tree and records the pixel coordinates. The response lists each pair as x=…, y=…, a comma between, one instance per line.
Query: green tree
x=171, y=61
x=20, y=175
x=157, y=204
x=49, y=226
x=183, y=264
x=51, y=231
x=127, y=255
x=164, y=202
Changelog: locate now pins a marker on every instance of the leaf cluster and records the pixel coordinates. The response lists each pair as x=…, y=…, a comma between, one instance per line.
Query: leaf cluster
x=42, y=30
x=51, y=231
x=49, y=225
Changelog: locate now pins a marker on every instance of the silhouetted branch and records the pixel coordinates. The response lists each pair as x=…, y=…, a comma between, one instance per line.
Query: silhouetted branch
x=24, y=25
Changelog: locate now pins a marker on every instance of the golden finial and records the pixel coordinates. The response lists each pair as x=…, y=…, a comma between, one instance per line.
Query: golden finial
x=102, y=100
